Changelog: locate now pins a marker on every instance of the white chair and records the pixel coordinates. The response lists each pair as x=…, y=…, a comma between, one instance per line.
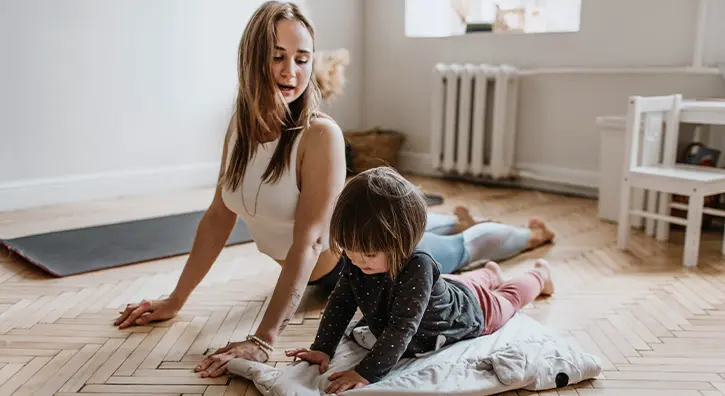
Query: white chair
x=652, y=168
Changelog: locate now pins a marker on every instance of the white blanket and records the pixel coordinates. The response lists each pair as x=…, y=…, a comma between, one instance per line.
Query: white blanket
x=522, y=355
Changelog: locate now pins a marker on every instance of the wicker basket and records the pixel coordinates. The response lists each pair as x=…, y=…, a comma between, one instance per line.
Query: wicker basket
x=374, y=147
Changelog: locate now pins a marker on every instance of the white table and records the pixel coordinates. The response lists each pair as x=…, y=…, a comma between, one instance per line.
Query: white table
x=709, y=112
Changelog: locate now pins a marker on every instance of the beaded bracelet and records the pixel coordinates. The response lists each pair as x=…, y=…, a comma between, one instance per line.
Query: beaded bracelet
x=261, y=342
x=264, y=346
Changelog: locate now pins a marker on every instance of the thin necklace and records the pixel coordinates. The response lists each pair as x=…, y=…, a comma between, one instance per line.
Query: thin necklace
x=259, y=188
x=256, y=199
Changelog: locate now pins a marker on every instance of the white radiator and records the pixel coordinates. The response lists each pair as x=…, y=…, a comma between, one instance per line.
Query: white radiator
x=473, y=120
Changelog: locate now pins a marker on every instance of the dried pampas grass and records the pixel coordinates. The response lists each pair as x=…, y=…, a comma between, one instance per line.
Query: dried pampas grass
x=330, y=72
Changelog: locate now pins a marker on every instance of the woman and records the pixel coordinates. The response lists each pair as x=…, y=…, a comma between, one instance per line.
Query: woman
x=292, y=159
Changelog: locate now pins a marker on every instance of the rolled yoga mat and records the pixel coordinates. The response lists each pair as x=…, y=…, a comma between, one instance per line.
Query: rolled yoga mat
x=433, y=200
x=76, y=251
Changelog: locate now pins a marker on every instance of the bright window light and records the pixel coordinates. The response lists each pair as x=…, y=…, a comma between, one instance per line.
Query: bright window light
x=442, y=18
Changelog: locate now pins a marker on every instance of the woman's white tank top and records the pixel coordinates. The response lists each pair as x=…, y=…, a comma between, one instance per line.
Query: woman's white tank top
x=268, y=209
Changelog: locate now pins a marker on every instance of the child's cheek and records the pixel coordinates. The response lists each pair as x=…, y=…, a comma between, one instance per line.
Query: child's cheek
x=382, y=265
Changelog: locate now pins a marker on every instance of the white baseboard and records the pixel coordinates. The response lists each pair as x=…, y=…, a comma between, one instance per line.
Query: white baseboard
x=556, y=174
x=419, y=163
x=78, y=188
x=42, y=192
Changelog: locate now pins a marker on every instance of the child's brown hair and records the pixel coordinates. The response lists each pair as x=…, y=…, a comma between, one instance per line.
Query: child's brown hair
x=379, y=211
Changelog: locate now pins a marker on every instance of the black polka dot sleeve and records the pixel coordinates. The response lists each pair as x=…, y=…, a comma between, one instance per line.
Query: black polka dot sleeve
x=411, y=296
x=340, y=309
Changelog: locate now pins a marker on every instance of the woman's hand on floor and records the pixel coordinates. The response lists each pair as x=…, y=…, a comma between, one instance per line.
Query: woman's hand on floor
x=344, y=380
x=314, y=357
x=215, y=365
x=147, y=311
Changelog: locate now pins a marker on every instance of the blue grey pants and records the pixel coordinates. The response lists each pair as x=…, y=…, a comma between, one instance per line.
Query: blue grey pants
x=483, y=241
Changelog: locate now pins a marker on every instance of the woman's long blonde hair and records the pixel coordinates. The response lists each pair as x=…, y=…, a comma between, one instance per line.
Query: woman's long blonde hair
x=260, y=109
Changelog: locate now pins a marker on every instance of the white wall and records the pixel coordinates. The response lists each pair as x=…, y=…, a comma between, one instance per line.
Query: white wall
x=339, y=24
x=557, y=134
x=715, y=31
x=103, y=98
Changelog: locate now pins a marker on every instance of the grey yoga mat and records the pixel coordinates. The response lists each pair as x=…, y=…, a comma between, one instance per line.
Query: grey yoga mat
x=76, y=251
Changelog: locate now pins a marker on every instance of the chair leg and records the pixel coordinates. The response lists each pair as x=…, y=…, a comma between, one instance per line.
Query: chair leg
x=637, y=202
x=694, y=228
x=663, y=227
x=623, y=224
x=651, y=208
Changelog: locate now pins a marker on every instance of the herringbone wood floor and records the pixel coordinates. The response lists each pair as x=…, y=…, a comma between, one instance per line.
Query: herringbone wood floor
x=657, y=328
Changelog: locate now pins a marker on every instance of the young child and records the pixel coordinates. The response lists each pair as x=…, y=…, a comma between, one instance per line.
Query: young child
x=376, y=225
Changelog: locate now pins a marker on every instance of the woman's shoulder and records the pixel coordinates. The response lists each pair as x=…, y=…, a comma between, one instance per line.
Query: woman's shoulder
x=324, y=125
x=323, y=131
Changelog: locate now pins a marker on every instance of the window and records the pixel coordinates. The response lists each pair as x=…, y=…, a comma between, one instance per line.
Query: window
x=441, y=18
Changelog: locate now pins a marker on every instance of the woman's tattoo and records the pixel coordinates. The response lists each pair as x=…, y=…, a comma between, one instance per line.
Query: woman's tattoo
x=284, y=324
x=296, y=297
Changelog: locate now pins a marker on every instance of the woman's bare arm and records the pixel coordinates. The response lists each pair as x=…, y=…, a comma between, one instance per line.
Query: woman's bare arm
x=322, y=179
x=214, y=229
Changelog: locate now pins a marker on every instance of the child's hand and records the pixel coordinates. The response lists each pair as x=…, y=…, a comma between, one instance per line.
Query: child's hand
x=314, y=357
x=344, y=380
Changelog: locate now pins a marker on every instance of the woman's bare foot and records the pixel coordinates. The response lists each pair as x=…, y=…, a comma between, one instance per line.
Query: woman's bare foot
x=465, y=220
x=543, y=267
x=540, y=233
x=496, y=270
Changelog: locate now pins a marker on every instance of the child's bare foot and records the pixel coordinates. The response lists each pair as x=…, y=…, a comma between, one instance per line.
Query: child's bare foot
x=543, y=267
x=540, y=233
x=496, y=270
x=465, y=220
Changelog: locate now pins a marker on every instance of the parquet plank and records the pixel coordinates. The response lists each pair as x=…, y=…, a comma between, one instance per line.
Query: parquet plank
x=644, y=384
x=8, y=371
x=605, y=344
x=711, y=393
x=25, y=375
x=49, y=371
x=233, y=318
x=96, y=362
x=208, y=332
x=56, y=380
x=168, y=380
x=637, y=392
x=154, y=358
x=215, y=391
x=629, y=334
x=117, y=394
x=68, y=303
x=661, y=376
x=95, y=294
x=182, y=345
x=244, y=327
x=150, y=389
x=237, y=387
x=131, y=347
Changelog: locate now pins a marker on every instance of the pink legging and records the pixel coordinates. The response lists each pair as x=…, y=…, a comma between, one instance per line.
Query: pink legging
x=500, y=301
